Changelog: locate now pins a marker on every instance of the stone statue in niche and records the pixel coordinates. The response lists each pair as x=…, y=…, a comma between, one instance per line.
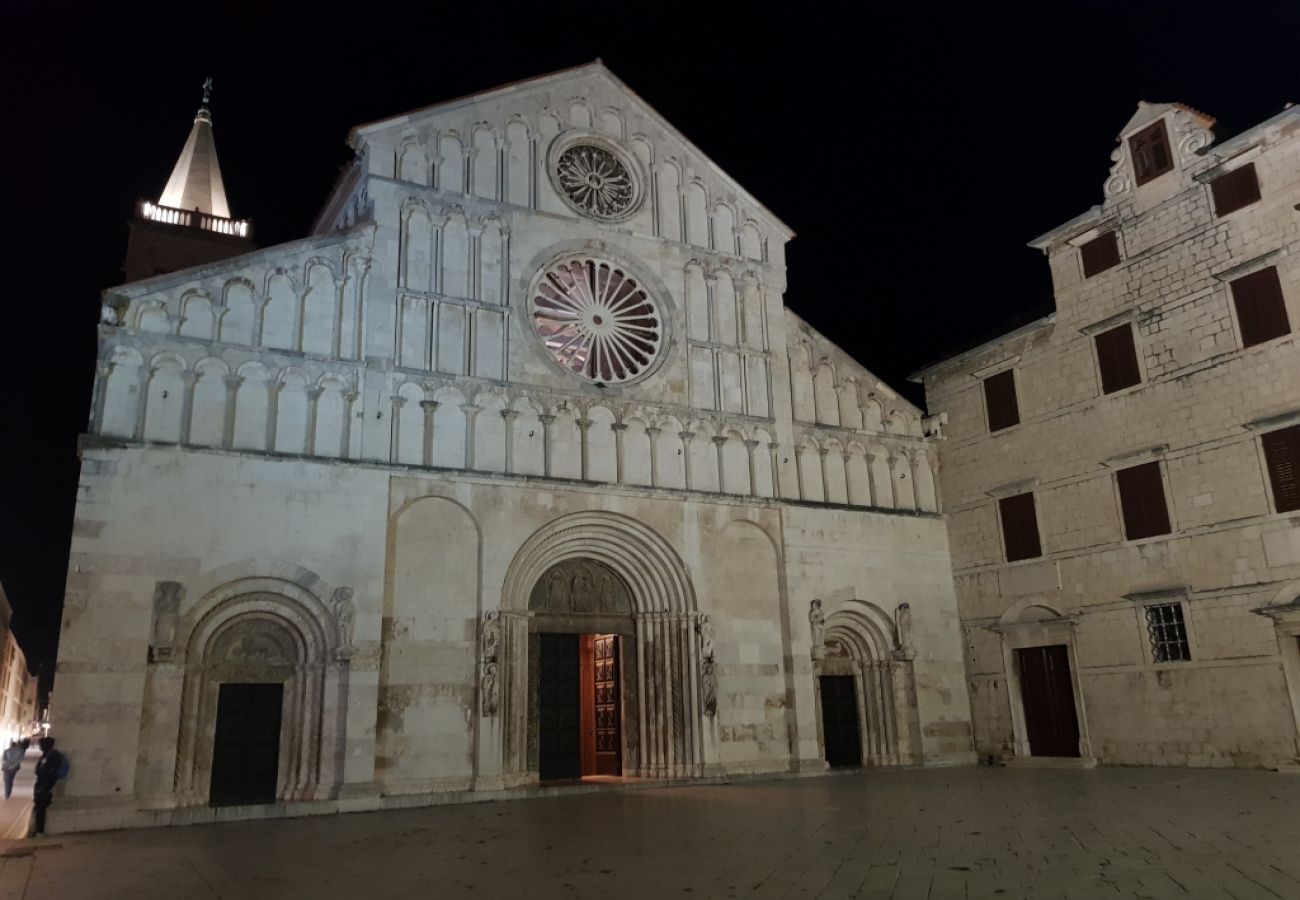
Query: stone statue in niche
x=817, y=622
x=582, y=588
x=605, y=591
x=557, y=589
x=903, y=621
x=345, y=613
x=113, y=311
x=167, y=597
x=489, y=690
x=489, y=645
x=708, y=673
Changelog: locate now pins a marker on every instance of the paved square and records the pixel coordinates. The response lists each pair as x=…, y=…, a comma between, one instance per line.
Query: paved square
x=960, y=833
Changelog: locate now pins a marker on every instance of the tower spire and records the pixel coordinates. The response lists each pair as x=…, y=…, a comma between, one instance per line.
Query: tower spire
x=195, y=182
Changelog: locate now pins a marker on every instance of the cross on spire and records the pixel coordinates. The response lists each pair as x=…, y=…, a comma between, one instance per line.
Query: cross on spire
x=207, y=91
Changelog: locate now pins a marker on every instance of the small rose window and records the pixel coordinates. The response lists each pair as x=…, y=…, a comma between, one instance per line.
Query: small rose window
x=596, y=321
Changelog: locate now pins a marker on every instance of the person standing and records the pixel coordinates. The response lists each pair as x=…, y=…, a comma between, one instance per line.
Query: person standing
x=49, y=769
x=10, y=762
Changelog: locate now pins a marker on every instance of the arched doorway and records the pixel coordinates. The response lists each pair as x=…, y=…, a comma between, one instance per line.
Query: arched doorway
x=596, y=573
x=264, y=694
x=866, y=689
x=583, y=635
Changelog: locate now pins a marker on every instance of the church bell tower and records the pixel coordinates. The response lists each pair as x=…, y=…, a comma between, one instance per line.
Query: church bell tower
x=190, y=224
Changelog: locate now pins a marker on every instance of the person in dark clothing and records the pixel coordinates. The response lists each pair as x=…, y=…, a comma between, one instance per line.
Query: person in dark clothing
x=47, y=775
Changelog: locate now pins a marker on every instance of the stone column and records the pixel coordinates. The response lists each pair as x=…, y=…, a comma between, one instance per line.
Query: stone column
x=395, y=428
x=349, y=399
x=772, y=449
x=618, y=428
x=546, y=419
x=313, y=402
x=429, y=408
x=893, y=488
x=848, y=479
x=228, y=424
x=509, y=415
x=686, y=437
x=869, y=459
x=719, y=442
x=144, y=376
x=104, y=371
x=273, y=389
x=750, y=447
x=583, y=425
x=471, y=413
x=190, y=378
x=826, y=482
x=652, y=432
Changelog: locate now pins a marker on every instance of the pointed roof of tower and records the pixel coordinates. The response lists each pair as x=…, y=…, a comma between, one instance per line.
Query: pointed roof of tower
x=196, y=181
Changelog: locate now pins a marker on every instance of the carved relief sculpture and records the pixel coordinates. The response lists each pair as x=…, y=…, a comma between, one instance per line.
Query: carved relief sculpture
x=345, y=613
x=489, y=644
x=708, y=674
x=167, y=597
x=817, y=620
x=903, y=620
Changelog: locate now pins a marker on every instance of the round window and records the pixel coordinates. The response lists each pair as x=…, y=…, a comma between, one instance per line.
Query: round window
x=596, y=321
x=595, y=176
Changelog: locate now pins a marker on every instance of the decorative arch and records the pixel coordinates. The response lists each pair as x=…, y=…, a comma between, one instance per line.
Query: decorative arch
x=865, y=642
x=667, y=740
x=268, y=629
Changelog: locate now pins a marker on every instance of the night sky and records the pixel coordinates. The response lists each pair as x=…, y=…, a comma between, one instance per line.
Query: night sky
x=914, y=151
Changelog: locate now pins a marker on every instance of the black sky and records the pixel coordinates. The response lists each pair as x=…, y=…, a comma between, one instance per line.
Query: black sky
x=914, y=149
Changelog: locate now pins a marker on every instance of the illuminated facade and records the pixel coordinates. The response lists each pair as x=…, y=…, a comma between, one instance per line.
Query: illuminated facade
x=516, y=469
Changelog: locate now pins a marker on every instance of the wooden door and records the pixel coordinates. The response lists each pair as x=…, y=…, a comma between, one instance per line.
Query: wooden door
x=246, y=749
x=559, y=717
x=608, y=747
x=1048, y=694
x=840, y=735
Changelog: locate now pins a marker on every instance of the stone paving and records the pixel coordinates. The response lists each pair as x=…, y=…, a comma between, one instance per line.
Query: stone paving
x=960, y=833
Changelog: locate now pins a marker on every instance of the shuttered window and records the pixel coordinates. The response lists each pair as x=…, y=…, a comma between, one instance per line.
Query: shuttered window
x=1000, y=398
x=1282, y=455
x=1117, y=359
x=1142, y=498
x=1150, y=151
x=1100, y=253
x=1019, y=527
x=1261, y=311
x=1236, y=189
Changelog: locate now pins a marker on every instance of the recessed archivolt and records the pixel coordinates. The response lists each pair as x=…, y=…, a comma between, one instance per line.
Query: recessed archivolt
x=864, y=629
x=639, y=555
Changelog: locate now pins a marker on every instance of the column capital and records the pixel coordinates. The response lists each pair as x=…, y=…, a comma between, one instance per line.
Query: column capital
x=719, y=439
x=584, y=424
x=652, y=430
x=751, y=444
x=429, y=405
x=470, y=409
x=398, y=401
x=313, y=393
x=546, y=418
x=618, y=426
x=509, y=414
x=686, y=435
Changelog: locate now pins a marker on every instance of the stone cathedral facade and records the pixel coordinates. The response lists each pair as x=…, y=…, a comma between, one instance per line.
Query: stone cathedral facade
x=515, y=470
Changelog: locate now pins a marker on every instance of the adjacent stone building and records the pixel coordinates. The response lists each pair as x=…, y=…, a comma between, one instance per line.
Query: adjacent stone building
x=16, y=682
x=516, y=469
x=1121, y=476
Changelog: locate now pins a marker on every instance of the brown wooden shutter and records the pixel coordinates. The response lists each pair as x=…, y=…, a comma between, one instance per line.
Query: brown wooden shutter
x=1282, y=454
x=1019, y=527
x=1117, y=359
x=1142, y=498
x=1000, y=398
x=1100, y=253
x=1149, y=149
x=1232, y=191
x=1261, y=309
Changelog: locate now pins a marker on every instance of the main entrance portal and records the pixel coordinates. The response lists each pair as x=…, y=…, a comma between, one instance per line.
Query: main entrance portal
x=578, y=706
x=246, y=748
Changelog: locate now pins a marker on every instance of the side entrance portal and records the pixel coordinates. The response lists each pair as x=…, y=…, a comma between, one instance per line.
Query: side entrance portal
x=578, y=710
x=840, y=734
x=1051, y=721
x=246, y=747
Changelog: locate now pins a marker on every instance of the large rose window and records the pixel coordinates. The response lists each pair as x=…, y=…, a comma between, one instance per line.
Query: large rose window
x=595, y=181
x=596, y=321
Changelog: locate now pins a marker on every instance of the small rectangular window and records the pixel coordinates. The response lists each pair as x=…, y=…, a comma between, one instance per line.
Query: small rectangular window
x=1100, y=253
x=1236, y=189
x=1117, y=359
x=1019, y=527
x=1261, y=310
x=1282, y=455
x=1149, y=149
x=1000, y=399
x=1168, y=633
x=1142, y=499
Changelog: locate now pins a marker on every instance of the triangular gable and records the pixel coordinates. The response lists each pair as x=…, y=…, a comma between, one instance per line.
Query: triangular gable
x=588, y=72
x=1148, y=112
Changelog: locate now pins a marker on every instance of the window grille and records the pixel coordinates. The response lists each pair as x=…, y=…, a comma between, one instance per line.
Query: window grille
x=1168, y=633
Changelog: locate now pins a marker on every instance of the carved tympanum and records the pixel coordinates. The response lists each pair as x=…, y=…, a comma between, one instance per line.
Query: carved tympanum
x=581, y=586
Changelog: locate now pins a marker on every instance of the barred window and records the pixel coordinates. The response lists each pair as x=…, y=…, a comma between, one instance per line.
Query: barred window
x=1168, y=633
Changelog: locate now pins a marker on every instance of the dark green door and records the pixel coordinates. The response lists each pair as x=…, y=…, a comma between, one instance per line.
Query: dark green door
x=559, y=711
x=246, y=752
